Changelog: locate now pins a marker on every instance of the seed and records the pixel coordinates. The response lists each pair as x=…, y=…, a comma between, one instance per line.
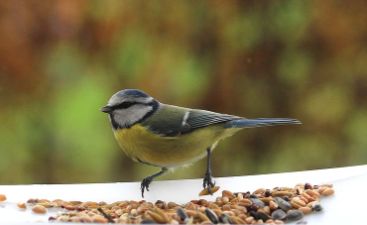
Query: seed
x=249, y=220
x=39, y=209
x=245, y=202
x=308, y=197
x=2, y=197
x=69, y=207
x=202, y=209
x=21, y=205
x=283, y=204
x=106, y=214
x=242, y=209
x=32, y=200
x=260, y=191
x=205, y=191
x=190, y=213
x=257, y=202
x=98, y=219
x=211, y=215
x=71, y=202
x=327, y=191
x=316, y=206
x=305, y=209
x=273, y=205
x=88, y=204
x=134, y=212
x=140, y=210
x=240, y=196
x=259, y=215
x=237, y=220
x=266, y=199
x=313, y=193
x=308, y=186
x=218, y=211
x=171, y=205
x=226, y=207
x=266, y=210
x=279, y=222
x=267, y=193
x=293, y=215
x=281, y=193
x=174, y=222
x=202, y=216
x=182, y=214
x=160, y=204
x=227, y=194
x=237, y=212
x=162, y=214
x=253, y=196
x=46, y=203
x=225, y=199
x=224, y=218
x=231, y=208
x=296, y=202
x=156, y=217
x=278, y=214
x=191, y=206
x=81, y=219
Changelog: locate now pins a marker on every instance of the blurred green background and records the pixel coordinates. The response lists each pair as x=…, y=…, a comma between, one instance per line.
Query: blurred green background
x=61, y=60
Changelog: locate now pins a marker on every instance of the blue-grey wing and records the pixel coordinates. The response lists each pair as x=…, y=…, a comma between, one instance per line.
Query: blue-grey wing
x=173, y=121
x=201, y=118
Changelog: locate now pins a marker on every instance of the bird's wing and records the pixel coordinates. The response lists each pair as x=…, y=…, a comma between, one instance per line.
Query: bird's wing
x=173, y=121
x=202, y=118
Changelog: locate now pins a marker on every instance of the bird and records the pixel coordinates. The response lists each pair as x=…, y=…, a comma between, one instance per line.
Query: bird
x=169, y=136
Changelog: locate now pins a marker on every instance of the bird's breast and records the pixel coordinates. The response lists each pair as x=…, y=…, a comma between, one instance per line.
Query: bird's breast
x=141, y=144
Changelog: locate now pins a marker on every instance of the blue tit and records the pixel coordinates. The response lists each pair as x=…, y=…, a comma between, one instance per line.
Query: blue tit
x=169, y=136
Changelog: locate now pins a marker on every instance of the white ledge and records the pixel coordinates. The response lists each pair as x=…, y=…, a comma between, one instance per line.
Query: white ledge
x=346, y=206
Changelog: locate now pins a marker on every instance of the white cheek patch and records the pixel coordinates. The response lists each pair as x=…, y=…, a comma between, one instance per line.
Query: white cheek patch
x=129, y=116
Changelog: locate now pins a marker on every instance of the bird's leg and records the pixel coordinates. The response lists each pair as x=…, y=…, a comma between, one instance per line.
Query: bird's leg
x=146, y=181
x=208, y=179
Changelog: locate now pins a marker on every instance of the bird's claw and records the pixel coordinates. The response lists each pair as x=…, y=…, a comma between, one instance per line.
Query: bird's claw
x=208, y=182
x=145, y=185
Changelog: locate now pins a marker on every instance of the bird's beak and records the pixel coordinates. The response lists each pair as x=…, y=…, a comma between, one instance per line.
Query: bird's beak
x=106, y=109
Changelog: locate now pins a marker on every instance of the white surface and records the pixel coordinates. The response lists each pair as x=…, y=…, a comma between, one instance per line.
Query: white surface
x=349, y=183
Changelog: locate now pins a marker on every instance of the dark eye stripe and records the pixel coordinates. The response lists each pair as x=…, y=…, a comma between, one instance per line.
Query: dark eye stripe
x=124, y=105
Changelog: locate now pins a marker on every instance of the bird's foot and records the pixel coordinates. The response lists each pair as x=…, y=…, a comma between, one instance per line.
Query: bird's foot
x=145, y=185
x=208, y=182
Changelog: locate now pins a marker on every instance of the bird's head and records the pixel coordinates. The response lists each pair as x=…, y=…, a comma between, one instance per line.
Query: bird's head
x=128, y=107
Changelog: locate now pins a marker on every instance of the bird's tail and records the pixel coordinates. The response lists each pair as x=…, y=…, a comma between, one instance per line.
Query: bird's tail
x=260, y=122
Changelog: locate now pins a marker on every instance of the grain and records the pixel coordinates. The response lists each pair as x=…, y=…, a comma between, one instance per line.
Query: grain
x=206, y=191
x=327, y=191
x=21, y=205
x=2, y=197
x=271, y=206
x=39, y=209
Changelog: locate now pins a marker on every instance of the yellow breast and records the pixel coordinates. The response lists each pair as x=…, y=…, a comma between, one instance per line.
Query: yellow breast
x=141, y=144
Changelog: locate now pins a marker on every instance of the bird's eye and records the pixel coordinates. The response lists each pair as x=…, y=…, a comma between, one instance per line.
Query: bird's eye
x=125, y=105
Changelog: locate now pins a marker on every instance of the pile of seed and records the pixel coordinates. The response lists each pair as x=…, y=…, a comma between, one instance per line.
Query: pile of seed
x=270, y=206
